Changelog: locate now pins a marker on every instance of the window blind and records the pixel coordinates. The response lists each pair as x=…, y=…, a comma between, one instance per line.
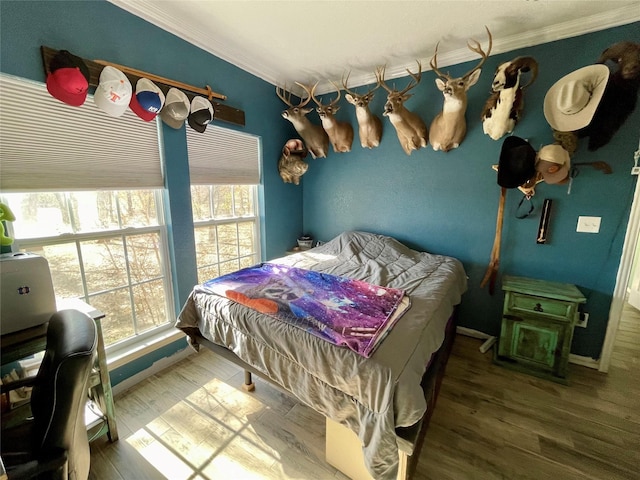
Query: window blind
x=46, y=145
x=223, y=156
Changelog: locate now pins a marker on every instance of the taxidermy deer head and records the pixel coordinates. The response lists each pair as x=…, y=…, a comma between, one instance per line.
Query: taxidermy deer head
x=340, y=133
x=627, y=56
x=504, y=107
x=411, y=129
x=620, y=95
x=369, y=125
x=291, y=165
x=449, y=127
x=314, y=136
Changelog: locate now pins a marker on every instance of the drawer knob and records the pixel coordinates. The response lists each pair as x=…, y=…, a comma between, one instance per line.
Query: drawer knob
x=538, y=308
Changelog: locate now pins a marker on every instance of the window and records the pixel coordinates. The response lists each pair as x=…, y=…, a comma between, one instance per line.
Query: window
x=224, y=169
x=105, y=247
x=226, y=228
x=86, y=190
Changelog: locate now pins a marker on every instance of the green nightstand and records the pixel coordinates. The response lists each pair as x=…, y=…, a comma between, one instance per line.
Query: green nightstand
x=538, y=318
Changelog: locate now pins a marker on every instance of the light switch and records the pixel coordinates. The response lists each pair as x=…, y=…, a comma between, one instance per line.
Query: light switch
x=588, y=224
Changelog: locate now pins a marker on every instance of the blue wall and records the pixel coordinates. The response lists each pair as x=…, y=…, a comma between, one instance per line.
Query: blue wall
x=100, y=30
x=446, y=203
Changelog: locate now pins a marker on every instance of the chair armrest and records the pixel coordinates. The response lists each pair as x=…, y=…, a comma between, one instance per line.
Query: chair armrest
x=16, y=384
x=55, y=465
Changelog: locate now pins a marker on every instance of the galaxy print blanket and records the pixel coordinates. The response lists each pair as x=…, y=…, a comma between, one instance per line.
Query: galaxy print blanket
x=340, y=310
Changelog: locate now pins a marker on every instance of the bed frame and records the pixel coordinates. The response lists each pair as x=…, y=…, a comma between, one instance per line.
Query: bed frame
x=410, y=439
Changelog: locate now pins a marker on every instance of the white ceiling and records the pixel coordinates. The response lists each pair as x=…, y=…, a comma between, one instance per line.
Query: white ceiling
x=318, y=40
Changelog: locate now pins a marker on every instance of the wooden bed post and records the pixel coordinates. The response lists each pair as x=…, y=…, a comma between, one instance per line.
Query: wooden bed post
x=248, y=385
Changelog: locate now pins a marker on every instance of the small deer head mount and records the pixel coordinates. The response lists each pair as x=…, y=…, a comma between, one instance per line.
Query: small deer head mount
x=449, y=127
x=411, y=130
x=340, y=133
x=314, y=136
x=369, y=125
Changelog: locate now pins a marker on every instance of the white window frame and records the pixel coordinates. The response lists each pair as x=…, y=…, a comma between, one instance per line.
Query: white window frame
x=214, y=222
x=122, y=348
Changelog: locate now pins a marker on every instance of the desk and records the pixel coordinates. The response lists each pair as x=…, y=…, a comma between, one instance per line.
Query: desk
x=24, y=343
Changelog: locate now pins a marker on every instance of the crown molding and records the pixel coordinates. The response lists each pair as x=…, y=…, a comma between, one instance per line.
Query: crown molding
x=149, y=10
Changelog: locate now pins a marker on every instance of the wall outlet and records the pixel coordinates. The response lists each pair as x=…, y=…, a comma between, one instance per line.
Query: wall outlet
x=583, y=318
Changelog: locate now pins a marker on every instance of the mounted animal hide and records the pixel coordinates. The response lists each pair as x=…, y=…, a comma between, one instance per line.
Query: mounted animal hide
x=504, y=107
x=291, y=166
x=620, y=95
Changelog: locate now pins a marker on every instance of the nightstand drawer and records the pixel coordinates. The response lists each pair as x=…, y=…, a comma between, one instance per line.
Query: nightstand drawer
x=530, y=305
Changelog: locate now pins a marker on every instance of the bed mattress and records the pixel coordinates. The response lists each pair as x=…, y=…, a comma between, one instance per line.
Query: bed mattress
x=371, y=396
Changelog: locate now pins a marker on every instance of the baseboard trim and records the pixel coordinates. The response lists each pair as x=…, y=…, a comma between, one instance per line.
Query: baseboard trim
x=152, y=370
x=469, y=332
x=573, y=358
x=584, y=361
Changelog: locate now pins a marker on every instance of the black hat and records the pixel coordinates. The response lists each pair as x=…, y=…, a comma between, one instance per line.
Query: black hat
x=517, y=162
x=68, y=78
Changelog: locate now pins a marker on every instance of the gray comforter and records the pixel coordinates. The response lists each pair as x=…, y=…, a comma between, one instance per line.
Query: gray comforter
x=370, y=396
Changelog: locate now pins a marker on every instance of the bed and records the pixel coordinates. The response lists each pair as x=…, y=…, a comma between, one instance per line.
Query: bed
x=383, y=399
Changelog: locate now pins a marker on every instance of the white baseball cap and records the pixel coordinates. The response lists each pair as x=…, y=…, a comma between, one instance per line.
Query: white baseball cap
x=176, y=108
x=113, y=93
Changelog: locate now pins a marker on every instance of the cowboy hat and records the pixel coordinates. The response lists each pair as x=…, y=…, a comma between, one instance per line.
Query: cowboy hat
x=571, y=102
x=517, y=162
x=553, y=163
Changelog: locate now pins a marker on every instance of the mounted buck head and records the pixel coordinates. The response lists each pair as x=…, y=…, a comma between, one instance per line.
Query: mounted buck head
x=369, y=125
x=340, y=133
x=449, y=128
x=411, y=129
x=503, y=109
x=627, y=56
x=314, y=136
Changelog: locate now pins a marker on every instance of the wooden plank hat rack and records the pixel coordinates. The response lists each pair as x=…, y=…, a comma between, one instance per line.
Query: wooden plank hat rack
x=222, y=112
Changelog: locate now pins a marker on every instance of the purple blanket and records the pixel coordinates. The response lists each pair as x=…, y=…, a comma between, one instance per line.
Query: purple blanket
x=340, y=310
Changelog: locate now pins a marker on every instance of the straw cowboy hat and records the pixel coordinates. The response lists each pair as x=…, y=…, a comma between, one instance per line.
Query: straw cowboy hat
x=571, y=102
x=553, y=163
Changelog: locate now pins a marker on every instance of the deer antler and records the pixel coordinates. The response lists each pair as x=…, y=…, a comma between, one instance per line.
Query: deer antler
x=337, y=87
x=345, y=81
x=310, y=92
x=478, y=49
x=434, y=65
x=380, y=78
x=415, y=76
x=287, y=99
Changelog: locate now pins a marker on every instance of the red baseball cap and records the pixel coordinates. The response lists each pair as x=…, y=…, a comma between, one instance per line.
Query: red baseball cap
x=68, y=78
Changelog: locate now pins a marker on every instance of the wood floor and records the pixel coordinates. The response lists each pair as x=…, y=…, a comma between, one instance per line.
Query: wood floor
x=193, y=421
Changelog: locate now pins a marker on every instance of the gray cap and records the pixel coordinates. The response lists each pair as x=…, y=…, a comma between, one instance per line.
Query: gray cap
x=176, y=108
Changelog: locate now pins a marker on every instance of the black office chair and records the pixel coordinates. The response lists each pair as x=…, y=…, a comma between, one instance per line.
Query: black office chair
x=53, y=443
